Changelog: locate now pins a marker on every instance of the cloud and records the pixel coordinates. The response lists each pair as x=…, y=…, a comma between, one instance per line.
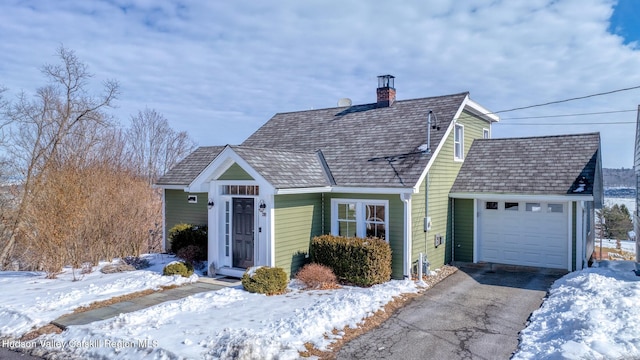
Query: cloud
x=221, y=69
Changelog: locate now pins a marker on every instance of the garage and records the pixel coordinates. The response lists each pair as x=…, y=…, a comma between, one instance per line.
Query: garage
x=528, y=201
x=528, y=233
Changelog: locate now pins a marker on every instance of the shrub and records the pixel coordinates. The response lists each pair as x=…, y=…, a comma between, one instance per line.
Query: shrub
x=265, y=280
x=183, y=235
x=137, y=262
x=178, y=268
x=316, y=276
x=357, y=261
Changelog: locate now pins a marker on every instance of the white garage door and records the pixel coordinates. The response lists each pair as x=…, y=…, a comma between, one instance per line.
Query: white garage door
x=523, y=233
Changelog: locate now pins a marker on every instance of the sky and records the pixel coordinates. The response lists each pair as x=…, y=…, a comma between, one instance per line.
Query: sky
x=219, y=70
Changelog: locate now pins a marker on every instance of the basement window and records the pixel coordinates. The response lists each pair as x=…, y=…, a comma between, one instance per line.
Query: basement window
x=491, y=205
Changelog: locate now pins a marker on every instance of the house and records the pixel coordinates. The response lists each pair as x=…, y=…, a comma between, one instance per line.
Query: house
x=382, y=169
x=528, y=201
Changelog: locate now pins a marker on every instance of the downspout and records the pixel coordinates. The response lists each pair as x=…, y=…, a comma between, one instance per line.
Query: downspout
x=406, y=199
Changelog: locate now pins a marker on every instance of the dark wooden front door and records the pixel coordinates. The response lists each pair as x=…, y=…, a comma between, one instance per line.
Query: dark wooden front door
x=243, y=216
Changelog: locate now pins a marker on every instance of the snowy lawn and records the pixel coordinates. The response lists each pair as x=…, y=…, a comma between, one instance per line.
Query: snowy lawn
x=589, y=314
x=230, y=324
x=227, y=324
x=28, y=300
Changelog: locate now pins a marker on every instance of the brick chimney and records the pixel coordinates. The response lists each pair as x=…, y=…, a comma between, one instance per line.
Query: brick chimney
x=386, y=93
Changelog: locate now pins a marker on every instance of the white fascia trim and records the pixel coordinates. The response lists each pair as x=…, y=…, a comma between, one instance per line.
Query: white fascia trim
x=498, y=197
x=480, y=110
x=475, y=231
x=320, y=189
x=570, y=237
x=408, y=235
x=371, y=190
x=223, y=162
x=171, y=187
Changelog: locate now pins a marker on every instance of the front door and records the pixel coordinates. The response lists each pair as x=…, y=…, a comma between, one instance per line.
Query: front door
x=243, y=217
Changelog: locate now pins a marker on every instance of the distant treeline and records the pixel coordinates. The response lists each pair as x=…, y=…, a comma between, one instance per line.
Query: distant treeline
x=619, y=178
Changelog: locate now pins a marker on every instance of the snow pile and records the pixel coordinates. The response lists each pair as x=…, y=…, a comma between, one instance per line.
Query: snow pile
x=232, y=324
x=30, y=300
x=589, y=314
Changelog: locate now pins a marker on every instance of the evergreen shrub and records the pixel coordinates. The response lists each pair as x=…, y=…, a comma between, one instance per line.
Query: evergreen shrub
x=357, y=261
x=183, y=235
x=265, y=280
x=178, y=268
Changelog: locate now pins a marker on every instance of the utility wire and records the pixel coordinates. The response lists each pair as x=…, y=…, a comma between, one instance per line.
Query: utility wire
x=574, y=123
x=569, y=115
x=570, y=99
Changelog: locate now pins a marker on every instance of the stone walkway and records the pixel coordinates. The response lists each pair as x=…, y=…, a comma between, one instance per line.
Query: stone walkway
x=145, y=301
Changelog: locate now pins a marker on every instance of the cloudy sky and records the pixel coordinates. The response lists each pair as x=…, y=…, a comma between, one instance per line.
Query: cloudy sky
x=220, y=69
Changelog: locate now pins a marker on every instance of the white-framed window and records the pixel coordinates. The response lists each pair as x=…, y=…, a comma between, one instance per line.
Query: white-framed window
x=192, y=199
x=458, y=142
x=360, y=217
x=485, y=134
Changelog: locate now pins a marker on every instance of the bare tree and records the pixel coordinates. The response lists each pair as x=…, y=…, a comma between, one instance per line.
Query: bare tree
x=42, y=130
x=154, y=146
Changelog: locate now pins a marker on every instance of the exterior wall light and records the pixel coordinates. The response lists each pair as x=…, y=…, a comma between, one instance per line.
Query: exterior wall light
x=210, y=204
x=262, y=207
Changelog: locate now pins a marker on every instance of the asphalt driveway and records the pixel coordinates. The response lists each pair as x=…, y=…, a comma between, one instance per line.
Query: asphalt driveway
x=476, y=313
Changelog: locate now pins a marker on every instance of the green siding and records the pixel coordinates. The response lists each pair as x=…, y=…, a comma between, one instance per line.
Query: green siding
x=298, y=218
x=178, y=210
x=463, y=230
x=235, y=172
x=396, y=224
x=437, y=185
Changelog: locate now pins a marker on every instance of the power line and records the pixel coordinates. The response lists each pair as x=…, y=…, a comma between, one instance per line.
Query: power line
x=575, y=123
x=569, y=115
x=567, y=100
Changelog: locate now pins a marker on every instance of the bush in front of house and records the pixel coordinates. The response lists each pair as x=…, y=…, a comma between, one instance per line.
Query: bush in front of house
x=265, y=280
x=316, y=276
x=356, y=261
x=183, y=235
x=178, y=268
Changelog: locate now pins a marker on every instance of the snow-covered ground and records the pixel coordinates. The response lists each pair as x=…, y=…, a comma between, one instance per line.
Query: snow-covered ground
x=225, y=324
x=589, y=314
x=28, y=300
x=625, y=245
x=629, y=203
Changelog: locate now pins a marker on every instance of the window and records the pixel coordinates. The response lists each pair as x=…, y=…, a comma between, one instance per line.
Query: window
x=227, y=228
x=511, y=206
x=485, y=134
x=347, y=225
x=555, y=208
x=491, y=205
x=361, y=218
x=192, y=199
x=375, y=221
x=458, y=142
x=240, y=190
x=533, y=207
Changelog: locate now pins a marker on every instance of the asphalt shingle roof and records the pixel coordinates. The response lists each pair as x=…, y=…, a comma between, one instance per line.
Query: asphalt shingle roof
x=191, y=166
x=285, y=169
x=350, y=137
x=531, y=165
